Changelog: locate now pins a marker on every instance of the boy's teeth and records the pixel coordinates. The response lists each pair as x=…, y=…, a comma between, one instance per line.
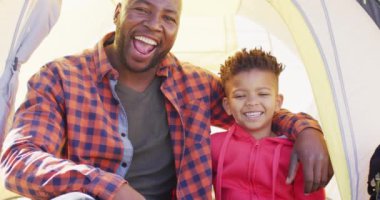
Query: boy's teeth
x=146, y=40
x=253, y=114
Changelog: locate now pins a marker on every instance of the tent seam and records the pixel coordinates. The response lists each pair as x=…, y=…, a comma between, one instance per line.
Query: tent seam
x=16, y=33
x=333, y=43
x=313, y=33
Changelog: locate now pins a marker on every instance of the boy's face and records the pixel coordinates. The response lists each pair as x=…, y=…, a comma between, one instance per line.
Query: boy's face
x=252, y=98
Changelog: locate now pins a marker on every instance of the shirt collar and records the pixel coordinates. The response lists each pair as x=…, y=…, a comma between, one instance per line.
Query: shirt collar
x=169, y=62
x=102, y=64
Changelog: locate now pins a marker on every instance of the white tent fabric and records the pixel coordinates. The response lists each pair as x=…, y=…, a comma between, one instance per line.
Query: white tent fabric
x=343, y=72
x=330, y=49
x=34, y=21
x=342, y=69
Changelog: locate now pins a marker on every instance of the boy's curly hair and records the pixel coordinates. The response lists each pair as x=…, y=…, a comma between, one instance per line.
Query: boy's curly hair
x=246, y=60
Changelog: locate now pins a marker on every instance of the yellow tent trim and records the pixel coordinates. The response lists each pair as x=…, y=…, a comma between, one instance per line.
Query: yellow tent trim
x=313, y=62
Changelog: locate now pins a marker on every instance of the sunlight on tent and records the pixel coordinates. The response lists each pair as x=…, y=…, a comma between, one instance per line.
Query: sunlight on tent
x=342, y=62
x=209, y=45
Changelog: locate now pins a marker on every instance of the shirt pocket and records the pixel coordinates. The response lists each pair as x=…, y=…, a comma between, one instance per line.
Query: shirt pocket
x=196, y=120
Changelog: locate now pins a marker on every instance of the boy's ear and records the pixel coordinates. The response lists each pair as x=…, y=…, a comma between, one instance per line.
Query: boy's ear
x=279, y=100
x=226, y=106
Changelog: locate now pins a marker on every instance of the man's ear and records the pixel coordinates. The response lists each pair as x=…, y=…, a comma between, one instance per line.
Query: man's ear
x=279, y=101
x=226, y=106
x=116, y=14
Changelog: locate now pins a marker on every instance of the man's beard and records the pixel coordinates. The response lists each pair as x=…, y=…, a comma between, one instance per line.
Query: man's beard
x=152, y=64
x=156, y=60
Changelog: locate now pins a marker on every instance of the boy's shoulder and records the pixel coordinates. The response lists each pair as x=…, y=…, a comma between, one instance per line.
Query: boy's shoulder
x=218, y=135
x=218, y=138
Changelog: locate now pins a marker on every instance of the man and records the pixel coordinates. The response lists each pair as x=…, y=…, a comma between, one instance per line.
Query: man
x=125, y=119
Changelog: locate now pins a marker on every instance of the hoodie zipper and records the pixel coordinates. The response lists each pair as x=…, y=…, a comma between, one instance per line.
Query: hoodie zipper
x=252, y=170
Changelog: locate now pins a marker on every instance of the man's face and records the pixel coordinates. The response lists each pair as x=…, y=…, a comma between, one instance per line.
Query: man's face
x=145, y=31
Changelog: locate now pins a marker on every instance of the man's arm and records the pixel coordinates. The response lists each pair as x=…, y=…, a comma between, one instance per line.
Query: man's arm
x=310, y=148
x=31, y=160
x=219, y=117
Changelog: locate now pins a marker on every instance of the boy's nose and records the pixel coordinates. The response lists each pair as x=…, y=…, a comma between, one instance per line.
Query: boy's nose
x=251, y=101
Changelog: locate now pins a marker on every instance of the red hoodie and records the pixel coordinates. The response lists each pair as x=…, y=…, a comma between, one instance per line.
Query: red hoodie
x=250, y=169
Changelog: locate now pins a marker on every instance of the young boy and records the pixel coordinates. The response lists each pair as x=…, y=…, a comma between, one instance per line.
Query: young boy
x=249, y=161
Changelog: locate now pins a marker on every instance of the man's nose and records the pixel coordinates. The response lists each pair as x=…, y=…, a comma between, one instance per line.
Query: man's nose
x=154, y=22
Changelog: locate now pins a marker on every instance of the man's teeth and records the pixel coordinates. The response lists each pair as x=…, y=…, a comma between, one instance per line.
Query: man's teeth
x=146, y=40
x=253, y=114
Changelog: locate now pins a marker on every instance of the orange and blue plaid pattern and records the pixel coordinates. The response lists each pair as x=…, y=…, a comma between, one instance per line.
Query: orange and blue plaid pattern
x=66, y=135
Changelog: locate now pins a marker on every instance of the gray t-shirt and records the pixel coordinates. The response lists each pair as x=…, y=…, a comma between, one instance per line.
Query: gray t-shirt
x=152, y=172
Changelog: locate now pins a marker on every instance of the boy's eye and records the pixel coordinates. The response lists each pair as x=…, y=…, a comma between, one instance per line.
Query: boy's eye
x=237, y=96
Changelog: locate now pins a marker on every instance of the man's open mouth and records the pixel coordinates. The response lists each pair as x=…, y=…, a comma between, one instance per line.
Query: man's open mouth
x=144, y=45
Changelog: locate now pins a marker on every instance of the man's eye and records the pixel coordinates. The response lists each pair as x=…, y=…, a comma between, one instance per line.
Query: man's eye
x=170, y=19
x=142, y=10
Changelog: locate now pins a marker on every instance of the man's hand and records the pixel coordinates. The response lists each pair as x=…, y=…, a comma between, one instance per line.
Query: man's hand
x=127, y=192
x=311, y=150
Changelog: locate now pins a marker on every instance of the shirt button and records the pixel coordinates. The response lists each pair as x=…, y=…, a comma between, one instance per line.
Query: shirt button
x=124, y=164
x=123, y=134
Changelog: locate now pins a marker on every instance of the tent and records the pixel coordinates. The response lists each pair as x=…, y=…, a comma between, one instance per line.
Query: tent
x=23, y=33
x=330, y=49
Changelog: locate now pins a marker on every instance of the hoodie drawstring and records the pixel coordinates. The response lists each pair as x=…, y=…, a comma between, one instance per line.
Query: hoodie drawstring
x=222, y=154
x=276, y=159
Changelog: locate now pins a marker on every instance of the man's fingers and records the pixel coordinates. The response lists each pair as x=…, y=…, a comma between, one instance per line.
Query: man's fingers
x=313, y=154
x=292, y=167
x=308, y=173
x=324, y=176
x=308, y=177
x=326, y=173
x=318, y=173
x=330, y=172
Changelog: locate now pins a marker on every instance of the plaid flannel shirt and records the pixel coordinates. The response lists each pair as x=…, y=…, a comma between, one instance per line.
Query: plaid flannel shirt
x=67, y=135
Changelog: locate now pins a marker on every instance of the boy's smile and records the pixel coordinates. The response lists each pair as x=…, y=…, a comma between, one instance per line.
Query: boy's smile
x=252, y=99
